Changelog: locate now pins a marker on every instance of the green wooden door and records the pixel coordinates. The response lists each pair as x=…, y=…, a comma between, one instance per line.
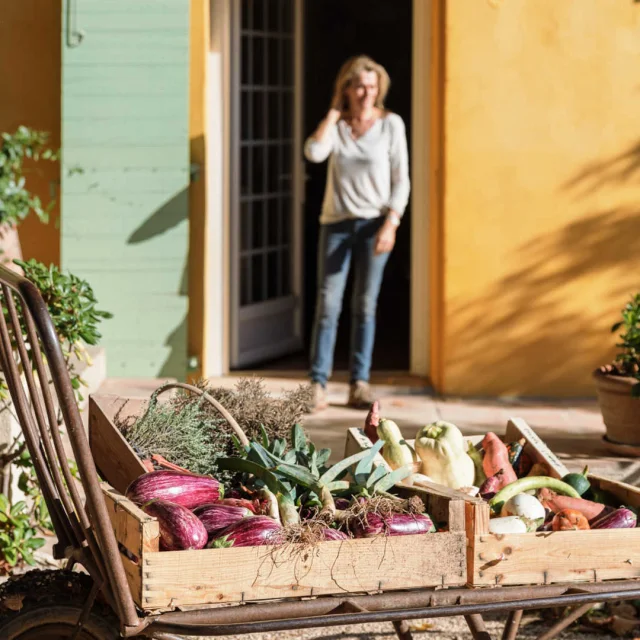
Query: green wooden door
x=125, y=109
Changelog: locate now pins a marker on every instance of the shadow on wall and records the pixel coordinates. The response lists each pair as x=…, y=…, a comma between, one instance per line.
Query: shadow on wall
x=540, y=329
x=616, y=171
x=170, y=215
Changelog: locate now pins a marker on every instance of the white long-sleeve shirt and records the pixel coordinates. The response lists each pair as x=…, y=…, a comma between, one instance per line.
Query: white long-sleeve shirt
x=367, y=176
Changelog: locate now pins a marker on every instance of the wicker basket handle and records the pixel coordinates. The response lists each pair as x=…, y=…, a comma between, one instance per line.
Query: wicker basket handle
x=242, y=436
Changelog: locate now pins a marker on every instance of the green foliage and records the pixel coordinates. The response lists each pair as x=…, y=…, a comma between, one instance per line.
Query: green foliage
x=16, y=202
x=29, y=485
x=18, y=536
x=303, y=471
x=72, y=307
x=628, y=359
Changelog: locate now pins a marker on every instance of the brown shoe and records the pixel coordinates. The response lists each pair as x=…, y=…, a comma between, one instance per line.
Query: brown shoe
x=360, y=395
x=318, y=398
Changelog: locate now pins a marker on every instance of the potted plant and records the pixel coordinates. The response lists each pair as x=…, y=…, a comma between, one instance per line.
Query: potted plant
x=16, y=201
x=618, y=383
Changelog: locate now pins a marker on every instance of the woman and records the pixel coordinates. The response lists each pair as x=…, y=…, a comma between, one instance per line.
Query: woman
x=365, y=196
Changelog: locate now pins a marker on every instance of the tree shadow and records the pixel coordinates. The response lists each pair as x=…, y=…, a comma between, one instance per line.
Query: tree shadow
x=175, y=364
x=173, y=212
x=614, y=171
x=541, y=328
x=552, y=267
x=168, y=216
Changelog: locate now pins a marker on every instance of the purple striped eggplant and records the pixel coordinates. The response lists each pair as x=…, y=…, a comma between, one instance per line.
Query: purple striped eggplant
x=397, y=524
x=333, y=534
x=186, y=489
x=619, y=519
x=248, y=532
x=218, y=516
x=179, y=528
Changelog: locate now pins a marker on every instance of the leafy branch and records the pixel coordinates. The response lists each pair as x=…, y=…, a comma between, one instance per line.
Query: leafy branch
x=16, y=201
x=628, y=360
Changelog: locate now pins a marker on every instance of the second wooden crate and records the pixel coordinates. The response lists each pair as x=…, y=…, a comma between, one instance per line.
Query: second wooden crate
x=542, y=557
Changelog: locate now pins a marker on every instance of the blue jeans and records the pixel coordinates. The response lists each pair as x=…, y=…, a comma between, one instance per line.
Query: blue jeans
x=339, y=243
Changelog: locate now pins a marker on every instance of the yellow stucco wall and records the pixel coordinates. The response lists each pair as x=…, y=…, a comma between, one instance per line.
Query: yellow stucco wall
x=541, y=238
x=30, y=95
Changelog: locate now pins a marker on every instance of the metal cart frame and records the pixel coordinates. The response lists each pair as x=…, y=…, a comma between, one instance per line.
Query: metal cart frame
x=86, y=538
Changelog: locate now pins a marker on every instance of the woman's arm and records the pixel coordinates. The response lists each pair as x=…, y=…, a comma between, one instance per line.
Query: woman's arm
x=320, y=143
x=400, y=187
x=399, y=159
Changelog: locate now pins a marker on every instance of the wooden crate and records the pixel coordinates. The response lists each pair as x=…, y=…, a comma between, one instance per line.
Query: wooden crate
x=169, y=579
x=543, y=557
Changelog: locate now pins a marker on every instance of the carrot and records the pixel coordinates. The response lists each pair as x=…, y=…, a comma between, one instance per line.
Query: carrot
x=569, y=520
x=556, y=503
x=496, y=458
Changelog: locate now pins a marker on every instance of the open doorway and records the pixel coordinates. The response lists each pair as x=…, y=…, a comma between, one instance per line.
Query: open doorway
x=333, y=31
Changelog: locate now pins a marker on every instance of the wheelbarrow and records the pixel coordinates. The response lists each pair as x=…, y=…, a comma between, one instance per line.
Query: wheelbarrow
x=91, y=599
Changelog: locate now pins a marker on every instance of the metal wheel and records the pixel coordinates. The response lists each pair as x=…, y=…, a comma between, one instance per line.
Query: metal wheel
x=46, y=605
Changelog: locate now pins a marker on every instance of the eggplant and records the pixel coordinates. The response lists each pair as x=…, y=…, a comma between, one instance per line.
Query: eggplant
x=397, y=524
x=619, y=519
x=248, y=532
x=333, y=534
x=490, y=486
x=179, y=528
x=186, y=489
x=252, y=505
x=217, y=516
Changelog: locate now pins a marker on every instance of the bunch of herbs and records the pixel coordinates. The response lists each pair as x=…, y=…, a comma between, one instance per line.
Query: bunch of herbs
x=190, y=433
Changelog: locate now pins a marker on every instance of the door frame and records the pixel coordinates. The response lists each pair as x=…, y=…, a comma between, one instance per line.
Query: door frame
x=253, y=316
x=427, y=178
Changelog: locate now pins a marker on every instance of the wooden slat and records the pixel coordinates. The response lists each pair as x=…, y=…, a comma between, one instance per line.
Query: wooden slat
x=115, y=459
x=562, y=556
x=627, y=494
x=517, y=428
x=257, y=573
x=134, y=529
x=133, y=572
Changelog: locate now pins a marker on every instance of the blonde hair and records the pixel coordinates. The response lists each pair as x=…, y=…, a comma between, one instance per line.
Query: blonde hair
x=350, y=71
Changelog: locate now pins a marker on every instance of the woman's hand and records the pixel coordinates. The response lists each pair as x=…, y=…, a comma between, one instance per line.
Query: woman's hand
x=333, y=116
x=386, y=238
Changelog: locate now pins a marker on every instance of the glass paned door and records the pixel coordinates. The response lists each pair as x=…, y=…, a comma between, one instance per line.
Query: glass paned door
x=265, y=306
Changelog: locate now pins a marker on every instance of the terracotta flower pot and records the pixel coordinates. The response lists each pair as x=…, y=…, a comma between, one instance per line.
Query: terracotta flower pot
x=620, y=410
x=10, y=248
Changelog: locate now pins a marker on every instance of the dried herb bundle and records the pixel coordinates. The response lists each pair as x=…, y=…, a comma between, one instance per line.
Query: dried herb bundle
x=254, y=407
x=189, y=432
x=181, y=436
